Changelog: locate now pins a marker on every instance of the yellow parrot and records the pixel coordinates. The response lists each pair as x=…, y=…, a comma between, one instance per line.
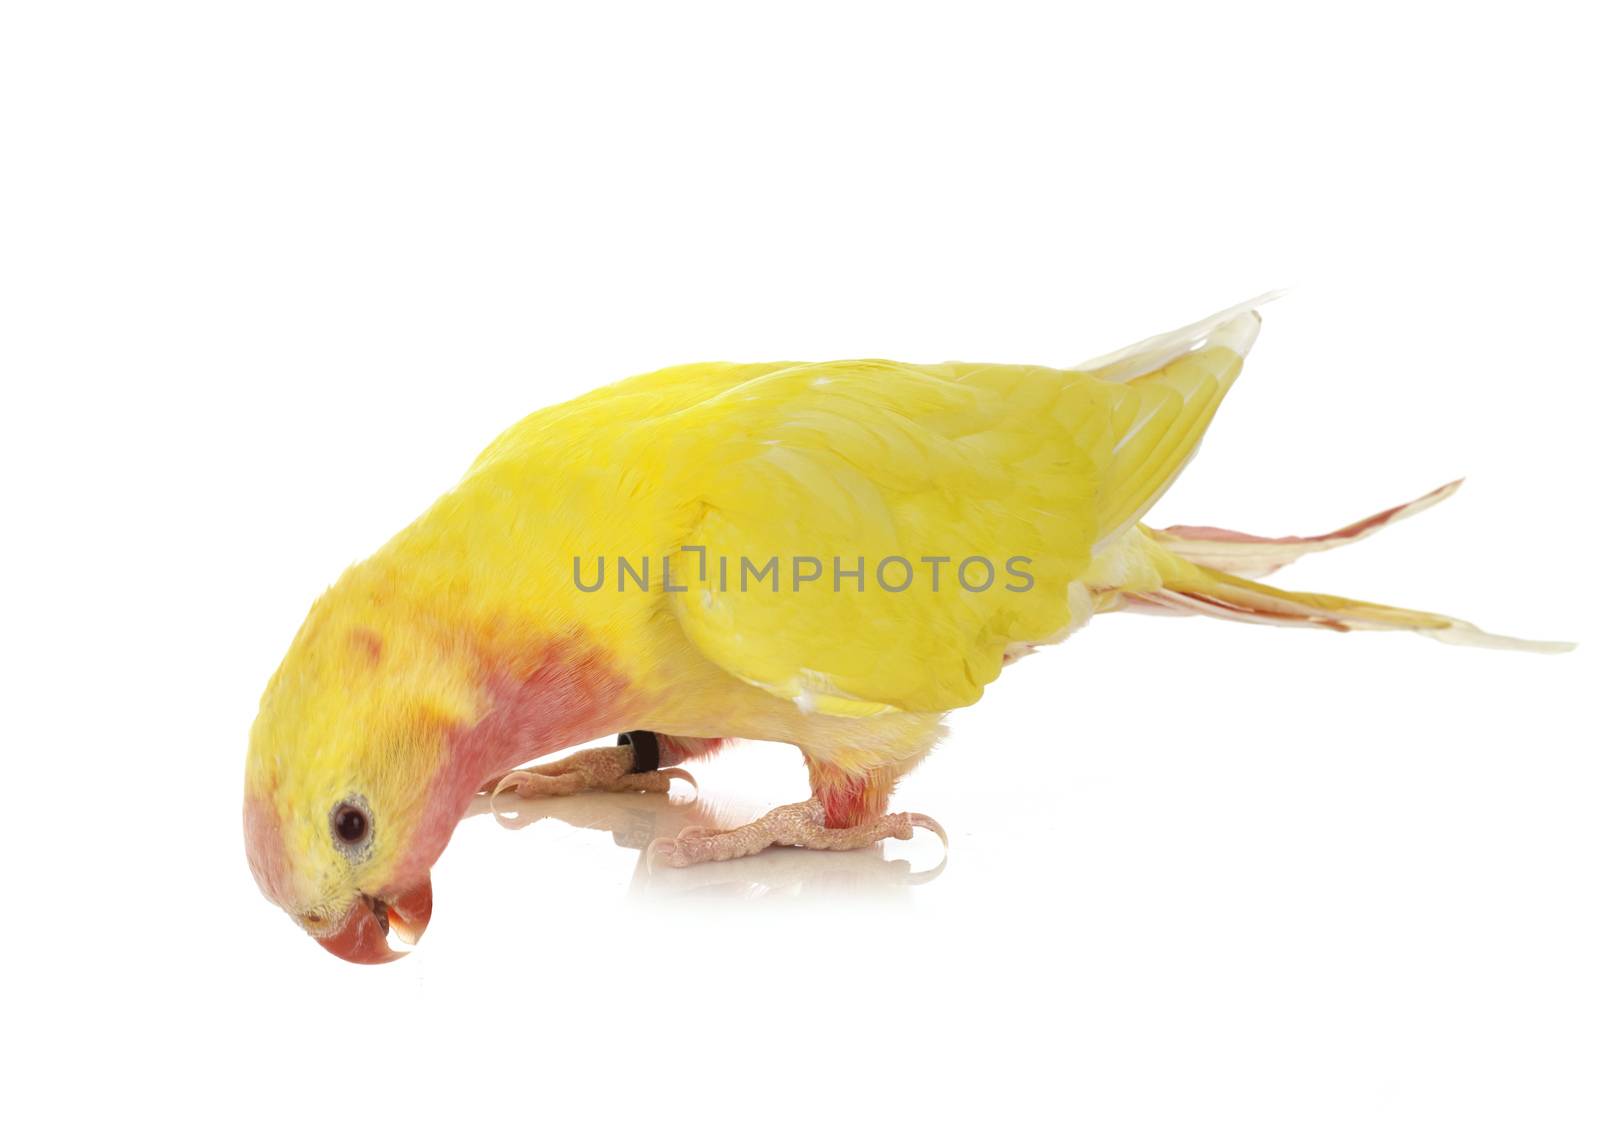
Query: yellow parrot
x=832, y=555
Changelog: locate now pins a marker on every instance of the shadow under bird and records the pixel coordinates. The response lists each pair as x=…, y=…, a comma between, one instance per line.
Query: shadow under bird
x=832, y=555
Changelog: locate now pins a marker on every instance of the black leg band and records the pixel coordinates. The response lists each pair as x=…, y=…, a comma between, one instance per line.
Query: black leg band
x=646, y=750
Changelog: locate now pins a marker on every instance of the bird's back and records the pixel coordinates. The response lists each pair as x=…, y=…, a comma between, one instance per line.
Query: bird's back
x=951, y=508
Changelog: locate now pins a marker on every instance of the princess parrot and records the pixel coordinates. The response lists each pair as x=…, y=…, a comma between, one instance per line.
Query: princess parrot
x=832, y=555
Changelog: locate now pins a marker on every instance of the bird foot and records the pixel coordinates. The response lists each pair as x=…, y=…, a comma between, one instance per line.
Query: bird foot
x=601, y=768
x=800, y=824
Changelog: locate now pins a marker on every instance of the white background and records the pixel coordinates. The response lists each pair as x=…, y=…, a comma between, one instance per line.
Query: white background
x=272, y=274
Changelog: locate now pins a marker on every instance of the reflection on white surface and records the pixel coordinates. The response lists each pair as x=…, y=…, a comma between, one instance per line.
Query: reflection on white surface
x=636, y=820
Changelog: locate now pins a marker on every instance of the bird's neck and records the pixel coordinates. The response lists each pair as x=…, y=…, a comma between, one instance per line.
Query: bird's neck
x=547, y=695
x=556, y=694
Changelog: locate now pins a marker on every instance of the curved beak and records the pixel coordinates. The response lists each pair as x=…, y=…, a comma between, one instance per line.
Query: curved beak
x=363, y=938
x=410, y=910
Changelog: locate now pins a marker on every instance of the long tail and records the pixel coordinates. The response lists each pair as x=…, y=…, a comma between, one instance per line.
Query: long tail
x=1210, y=571
x=1246, y=555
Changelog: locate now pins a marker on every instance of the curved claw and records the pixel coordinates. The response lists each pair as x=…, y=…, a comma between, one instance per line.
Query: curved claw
x=515, y=782
x=679, y=773
x=922, y=821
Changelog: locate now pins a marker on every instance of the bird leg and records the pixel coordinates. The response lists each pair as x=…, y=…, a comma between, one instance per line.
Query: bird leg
x=600, y=768
x=801, y=824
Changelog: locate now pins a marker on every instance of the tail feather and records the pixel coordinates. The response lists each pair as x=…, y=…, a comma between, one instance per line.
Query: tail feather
x=1246, y=555
x=1188, y=587
x=1155, y=353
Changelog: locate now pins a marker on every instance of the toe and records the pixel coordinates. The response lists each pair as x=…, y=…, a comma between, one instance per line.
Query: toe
x=688, y=848
x=654, y=782
x=661, y=852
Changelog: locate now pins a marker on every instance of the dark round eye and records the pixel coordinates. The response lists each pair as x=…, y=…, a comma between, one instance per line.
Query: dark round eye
x=351, y=824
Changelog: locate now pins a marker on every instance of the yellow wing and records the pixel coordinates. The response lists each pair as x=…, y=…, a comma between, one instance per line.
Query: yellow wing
x=874, y=536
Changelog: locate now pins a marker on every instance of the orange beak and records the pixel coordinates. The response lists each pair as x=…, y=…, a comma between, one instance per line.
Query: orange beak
x=363, y=938
x=410, y=910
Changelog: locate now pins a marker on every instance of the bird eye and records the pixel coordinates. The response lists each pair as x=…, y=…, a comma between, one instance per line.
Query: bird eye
x=351, y=824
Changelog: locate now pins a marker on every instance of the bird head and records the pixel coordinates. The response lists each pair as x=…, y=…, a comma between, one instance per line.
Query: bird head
x=353, y=737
